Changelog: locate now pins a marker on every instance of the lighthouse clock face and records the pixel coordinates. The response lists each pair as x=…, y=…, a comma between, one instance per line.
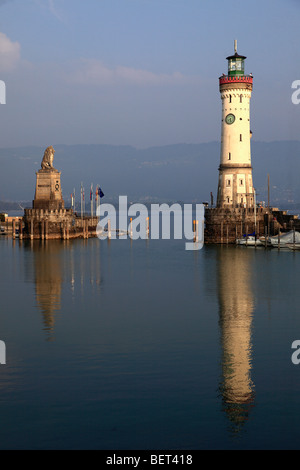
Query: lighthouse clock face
x=230, y=118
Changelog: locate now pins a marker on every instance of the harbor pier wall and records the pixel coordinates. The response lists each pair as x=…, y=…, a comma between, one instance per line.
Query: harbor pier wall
x=57, y=224
x=226, y=225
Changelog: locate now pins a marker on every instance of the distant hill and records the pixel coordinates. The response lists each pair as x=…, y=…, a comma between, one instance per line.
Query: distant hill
x=179, y=172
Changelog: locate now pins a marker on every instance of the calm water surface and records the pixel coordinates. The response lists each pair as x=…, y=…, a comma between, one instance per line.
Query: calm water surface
x=143, y=345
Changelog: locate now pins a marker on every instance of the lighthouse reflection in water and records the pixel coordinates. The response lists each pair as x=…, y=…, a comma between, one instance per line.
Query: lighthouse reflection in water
x=236, y=306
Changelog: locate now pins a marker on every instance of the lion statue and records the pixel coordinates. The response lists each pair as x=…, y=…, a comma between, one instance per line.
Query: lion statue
x=47, y=162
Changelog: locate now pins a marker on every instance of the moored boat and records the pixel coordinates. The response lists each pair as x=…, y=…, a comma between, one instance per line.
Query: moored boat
x=248, y=241
x=284, y=239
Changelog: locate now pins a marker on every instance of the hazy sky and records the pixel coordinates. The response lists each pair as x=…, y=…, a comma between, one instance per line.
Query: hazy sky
x=142, y=72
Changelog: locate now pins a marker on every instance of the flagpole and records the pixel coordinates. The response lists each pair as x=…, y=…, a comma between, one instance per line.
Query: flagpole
x=83, y=201
x=100, y=195
x=96, y=200
x=81, y=205
x=91, y=197
x=99, y=201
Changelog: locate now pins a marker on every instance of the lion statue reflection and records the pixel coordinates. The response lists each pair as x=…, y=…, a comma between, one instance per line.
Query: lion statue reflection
x=47, y=162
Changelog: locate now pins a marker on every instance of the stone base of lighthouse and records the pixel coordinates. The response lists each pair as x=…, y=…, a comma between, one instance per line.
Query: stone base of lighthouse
x=226, y=225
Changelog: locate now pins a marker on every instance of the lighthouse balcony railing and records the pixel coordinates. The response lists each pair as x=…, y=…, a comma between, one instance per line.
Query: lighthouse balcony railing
x=235, y=79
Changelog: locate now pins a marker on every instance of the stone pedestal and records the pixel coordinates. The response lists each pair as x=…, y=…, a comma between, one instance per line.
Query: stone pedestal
x=225, y=225
x=48, y=195
x=48, y=218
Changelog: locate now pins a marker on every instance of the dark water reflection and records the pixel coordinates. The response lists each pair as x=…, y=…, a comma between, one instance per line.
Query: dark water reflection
x=127, y=345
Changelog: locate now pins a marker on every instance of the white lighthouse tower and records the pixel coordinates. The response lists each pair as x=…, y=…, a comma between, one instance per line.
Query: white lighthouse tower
x=235, y=188
x=236, y=214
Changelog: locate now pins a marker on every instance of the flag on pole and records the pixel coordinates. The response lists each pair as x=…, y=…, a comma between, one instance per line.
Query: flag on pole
x=100, y=192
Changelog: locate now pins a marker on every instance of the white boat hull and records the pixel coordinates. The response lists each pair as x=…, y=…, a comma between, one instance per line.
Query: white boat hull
x=250, y=241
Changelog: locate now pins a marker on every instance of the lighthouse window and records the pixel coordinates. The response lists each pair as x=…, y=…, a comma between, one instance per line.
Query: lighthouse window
x=229, y=156
x=241, y=98
x=227, y=199
x=241, y=138
x=229, y=98
x=241, y=182
x=228, y=183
